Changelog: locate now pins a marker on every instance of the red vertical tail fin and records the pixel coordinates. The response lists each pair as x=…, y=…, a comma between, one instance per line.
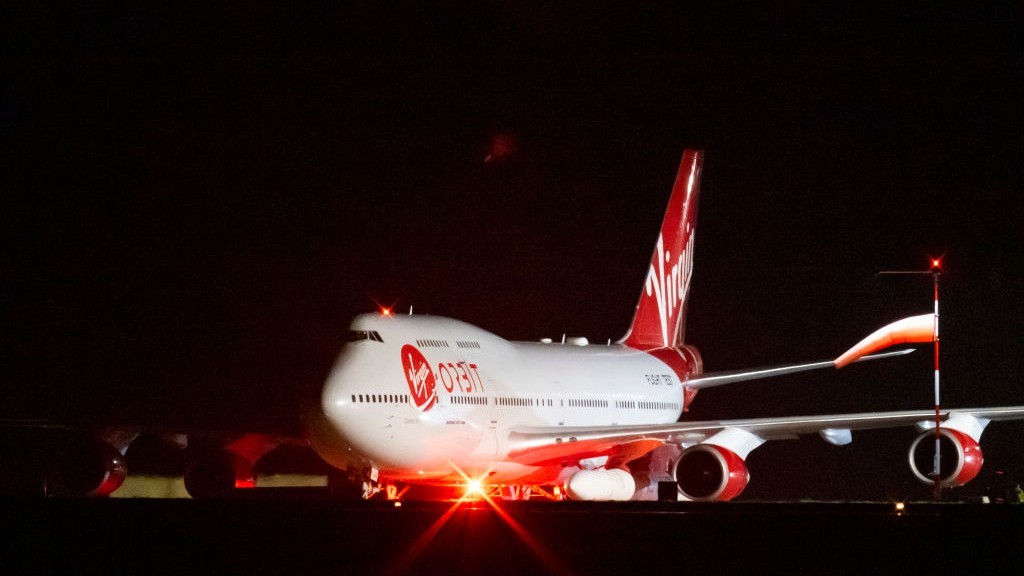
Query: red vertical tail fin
x=661, y=313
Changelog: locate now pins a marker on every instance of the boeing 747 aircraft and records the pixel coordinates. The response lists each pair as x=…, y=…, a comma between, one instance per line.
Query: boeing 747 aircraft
x=429, y=400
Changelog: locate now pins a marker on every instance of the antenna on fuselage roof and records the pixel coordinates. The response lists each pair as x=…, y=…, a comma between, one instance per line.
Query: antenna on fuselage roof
x=410, y=309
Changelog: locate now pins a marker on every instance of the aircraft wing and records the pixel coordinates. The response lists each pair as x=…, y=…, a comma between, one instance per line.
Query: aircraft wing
x=545, y=445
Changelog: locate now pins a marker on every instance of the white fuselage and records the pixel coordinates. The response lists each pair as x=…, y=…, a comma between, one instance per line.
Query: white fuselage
x=422, y=398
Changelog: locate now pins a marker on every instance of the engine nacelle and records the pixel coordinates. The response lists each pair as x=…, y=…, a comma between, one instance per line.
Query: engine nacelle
x=614, y=484
x=87, y=467
x=961, y=457
x=216, y=474
x=707, y=473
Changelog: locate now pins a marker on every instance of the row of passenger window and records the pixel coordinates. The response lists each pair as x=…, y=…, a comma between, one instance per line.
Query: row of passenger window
x=512, y=401
x=469, y=399
x=658, y=405
x=587, y=403
x=432, y=343
x=380, y=398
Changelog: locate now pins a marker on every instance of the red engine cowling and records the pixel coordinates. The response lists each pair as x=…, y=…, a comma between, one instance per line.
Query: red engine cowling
x=87, y=467
x=707, y=473
x=960, y=457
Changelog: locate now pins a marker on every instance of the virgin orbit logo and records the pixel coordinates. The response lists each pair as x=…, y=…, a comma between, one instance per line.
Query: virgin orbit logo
x=420, y=378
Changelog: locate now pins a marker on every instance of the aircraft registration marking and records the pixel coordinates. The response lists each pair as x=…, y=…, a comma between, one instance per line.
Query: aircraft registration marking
x=659, y=379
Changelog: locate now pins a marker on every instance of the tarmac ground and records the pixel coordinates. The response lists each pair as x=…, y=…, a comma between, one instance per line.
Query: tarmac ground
x=295, y=534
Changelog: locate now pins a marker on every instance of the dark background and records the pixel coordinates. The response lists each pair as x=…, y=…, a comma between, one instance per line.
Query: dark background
x=196, y=200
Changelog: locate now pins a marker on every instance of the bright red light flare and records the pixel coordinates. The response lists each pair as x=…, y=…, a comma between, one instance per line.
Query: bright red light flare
x=474, y=488
x=551, y=562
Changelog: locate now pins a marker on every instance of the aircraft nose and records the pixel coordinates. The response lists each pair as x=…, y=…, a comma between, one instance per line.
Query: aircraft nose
x=332, y=429
x=343, y=398
x=335, y=400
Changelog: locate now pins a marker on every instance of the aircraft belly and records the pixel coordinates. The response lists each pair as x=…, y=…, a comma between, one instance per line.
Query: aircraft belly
x=431, y=448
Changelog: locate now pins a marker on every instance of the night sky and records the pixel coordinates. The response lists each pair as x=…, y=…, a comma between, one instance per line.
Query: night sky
x=196, y=200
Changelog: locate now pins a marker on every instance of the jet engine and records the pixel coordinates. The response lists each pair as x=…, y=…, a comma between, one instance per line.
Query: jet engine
x=601, y=484
x=87, y=467
x=707, y=473
x=961, y=457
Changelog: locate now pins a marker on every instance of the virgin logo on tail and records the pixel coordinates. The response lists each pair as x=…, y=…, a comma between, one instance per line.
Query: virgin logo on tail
x=669, y=289
x=422, y=384
x=659, y=318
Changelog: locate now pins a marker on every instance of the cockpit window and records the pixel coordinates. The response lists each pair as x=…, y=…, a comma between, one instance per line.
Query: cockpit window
x=360, y=335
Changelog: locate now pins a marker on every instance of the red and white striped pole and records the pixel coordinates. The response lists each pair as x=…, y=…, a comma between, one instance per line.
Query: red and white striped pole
x=936, y=270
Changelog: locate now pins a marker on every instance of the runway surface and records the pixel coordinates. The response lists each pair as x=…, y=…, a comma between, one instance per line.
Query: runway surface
x=297, y=535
